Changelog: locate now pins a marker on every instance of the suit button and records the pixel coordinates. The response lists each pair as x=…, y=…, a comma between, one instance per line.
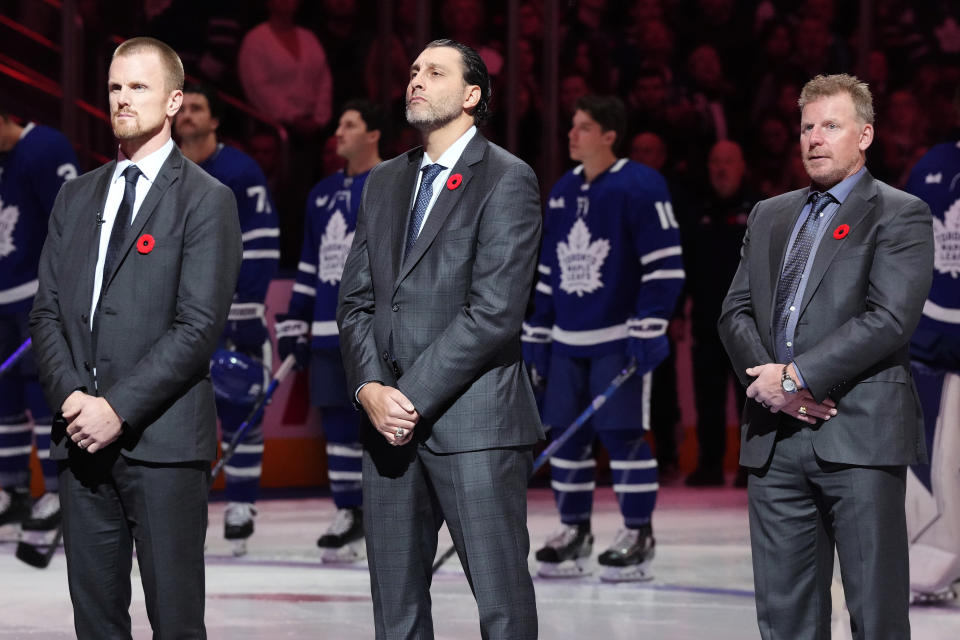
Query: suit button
x=395, y=307
x=84, y=318
x=86, y=363
x=386, y=356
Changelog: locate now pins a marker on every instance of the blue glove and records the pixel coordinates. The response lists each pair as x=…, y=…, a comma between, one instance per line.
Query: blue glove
x=649, y=352
x=536, y=355
x=247, y=336
x=292, y=339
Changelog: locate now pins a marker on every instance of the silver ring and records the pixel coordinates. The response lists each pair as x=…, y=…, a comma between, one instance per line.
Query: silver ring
x=802, y=410
x=399, y=434
x=81, y=445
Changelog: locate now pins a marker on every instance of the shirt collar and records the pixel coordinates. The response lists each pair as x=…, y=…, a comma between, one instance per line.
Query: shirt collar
x=453, y=152
x=842, y=189
x=149, y=166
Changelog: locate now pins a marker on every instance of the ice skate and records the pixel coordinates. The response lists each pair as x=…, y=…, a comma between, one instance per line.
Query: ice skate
x=628, y=558
x=927, y=599
x=14, y=509
x=238, y=525
x=45, y=513
x=566, y=553
x=343, y=541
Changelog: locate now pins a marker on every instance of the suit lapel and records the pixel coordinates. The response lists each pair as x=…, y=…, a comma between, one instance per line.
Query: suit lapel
x=855, y=207
x=89, y=235
x=169, y=173
x=445, y=204
x=404, y=183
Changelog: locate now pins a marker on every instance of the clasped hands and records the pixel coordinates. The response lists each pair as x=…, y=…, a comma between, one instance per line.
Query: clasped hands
x=390, y=412
x=767, y=390
x=91, y=422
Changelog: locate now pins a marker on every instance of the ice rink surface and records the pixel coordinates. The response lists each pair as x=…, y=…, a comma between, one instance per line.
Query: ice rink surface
x=702, y=586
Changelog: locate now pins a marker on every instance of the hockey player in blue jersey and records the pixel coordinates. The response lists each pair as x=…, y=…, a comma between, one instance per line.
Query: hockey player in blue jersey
x=309, y=329
x=34, y=162
x=610, y=273
x=246, y=331
x=933, y=490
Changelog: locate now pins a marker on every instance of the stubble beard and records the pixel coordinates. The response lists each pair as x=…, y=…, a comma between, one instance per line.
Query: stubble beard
x=431, y=117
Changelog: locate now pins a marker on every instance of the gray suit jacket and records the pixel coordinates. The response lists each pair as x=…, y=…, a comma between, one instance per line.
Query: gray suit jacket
x=861, y=304
x=160, y=314
x=450, y=313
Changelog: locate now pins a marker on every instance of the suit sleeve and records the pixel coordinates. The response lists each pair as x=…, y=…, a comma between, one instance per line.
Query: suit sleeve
x=209, y=265
x=503, y=271
x=51, y=351
x=738, y=325
x=899, y=282
x=355, y=309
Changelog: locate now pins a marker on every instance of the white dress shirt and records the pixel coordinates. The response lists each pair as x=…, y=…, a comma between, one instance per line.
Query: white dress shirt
x=448, y=159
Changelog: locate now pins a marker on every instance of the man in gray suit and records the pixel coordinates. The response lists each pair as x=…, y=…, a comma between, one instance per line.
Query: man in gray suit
x=817, y=322
x=431, y=305
x=136, y=279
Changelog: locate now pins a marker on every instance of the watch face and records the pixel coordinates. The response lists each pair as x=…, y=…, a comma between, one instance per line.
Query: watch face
x=789, y=385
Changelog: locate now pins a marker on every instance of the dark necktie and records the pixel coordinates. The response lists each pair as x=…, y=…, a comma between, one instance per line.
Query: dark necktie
x=795, y=264
x=430, y=172
x=122, y=222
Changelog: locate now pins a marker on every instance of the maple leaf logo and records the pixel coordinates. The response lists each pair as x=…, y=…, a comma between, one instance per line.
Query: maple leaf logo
x=8, y=222
x=581, y=260
x=946, y=241
x=334, y=247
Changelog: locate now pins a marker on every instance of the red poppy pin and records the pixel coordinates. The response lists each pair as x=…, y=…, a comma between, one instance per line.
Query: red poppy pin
x=454, y=181
x=145, y=243
x=841, y=232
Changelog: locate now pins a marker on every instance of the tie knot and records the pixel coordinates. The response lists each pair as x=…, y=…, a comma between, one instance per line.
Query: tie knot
x=131, y=173
x=819, y=201
x=431, y=171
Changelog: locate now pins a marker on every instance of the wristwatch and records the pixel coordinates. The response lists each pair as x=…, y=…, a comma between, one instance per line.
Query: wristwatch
x=786, y=382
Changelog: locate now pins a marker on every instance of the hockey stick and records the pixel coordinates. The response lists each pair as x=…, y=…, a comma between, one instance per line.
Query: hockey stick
x=285, y=367
x=15, y=356
x=551, y=449
x=34, y=554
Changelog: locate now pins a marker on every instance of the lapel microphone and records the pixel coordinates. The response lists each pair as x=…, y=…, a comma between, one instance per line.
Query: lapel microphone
x=99, y=218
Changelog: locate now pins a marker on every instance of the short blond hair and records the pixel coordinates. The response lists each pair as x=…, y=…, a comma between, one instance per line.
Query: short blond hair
x=172, y=66
x=825, y=86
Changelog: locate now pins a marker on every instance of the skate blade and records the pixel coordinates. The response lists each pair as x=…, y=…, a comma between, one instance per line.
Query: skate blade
x=924, y=599
x=632, y=573
x=350, y=552
x=564, y=570
x=10, y=532
x=238, y=547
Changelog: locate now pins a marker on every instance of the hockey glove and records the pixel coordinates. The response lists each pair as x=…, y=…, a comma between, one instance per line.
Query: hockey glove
x=292, y=338
x=537, y=357
x=649, y=352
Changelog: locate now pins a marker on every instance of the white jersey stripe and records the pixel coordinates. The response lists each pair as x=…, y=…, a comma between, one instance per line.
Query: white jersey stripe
x=943, y=314
x=659, y=254
x=23, y=427
x=636, y=488
x=238, y=472
x=21, y=292
x=305, y=290
x=345, y=475
x=587, y=338
x=343, y=452
x=664, y=274
x=560, y=463
x=573, y=487
x=264, y=232
x=9, y=452
x=624, y=465
x=256, y=254
x=249, y=448
x=325, y=328
x=307, y=268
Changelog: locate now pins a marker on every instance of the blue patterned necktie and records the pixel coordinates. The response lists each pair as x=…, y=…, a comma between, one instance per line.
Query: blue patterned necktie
x=122, y=222
x=430, y=172
x=795, y=264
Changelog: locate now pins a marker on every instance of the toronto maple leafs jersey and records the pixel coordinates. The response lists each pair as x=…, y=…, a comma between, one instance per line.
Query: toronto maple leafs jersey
x=331, y=220
x=936, y=180
x=31, y=174
x=258, y=223
x=611, y=266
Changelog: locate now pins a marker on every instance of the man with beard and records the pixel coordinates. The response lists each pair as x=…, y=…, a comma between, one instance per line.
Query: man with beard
x=136, y=279
x=196, y=126
x=431, y=305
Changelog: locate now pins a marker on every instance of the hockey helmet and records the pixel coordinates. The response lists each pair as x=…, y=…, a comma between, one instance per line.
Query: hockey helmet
x=237, y=377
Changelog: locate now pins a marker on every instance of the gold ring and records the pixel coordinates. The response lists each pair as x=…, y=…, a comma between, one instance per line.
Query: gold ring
x=802, y=410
